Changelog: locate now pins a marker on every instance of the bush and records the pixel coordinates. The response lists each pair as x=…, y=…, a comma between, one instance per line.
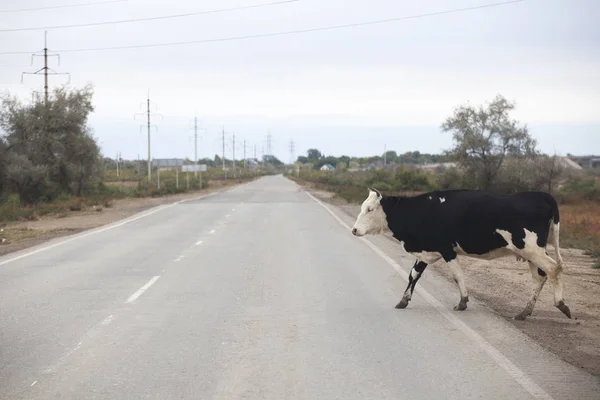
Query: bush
x=581, y=188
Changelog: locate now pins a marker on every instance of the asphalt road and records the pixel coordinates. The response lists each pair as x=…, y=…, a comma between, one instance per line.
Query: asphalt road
x=255, y=293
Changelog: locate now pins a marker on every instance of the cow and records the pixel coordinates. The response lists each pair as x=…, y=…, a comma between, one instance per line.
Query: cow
x=443, y=224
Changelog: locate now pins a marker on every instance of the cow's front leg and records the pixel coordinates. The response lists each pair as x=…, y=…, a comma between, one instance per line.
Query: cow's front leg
x=415, y=273
x=459, y=278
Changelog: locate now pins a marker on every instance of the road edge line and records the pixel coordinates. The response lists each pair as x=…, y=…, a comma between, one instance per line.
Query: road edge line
x=515, y=372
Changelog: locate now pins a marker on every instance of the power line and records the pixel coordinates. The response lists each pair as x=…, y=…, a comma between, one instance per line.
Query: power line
x=95, y=3
x=263, y=35
x=125, y=21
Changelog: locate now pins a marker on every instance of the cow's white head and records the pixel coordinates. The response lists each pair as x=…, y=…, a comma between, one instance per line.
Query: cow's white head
x=372, y=219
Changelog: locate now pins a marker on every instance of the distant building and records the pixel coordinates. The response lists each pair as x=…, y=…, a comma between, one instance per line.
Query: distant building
x=590, y=161
x=327, y=167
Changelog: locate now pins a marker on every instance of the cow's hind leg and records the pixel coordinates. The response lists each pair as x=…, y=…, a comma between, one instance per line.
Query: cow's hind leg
x=539, y=278
x=554, y=272
x=415, y=274
x=459, y=278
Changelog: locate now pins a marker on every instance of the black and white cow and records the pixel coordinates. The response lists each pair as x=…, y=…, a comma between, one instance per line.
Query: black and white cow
x=444, y=224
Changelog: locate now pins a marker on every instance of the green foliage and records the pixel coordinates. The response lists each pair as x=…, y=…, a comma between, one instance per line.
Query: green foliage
x=47, y=149
x=352, y=186
x=317, y=159
x=582, y=188
x=484, y=138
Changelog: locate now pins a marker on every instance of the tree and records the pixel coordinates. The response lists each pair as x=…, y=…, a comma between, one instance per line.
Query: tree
x=28, y=179
x=484, y=137
x=302, y=160
x=3, y=156
x=314, y=154
x=391, y=156
x=52, y=136
x=267, y=159
x=343, y=161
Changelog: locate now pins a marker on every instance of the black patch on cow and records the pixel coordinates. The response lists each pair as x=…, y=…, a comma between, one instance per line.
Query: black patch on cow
x=419, y=267
x=541, y=272
x=468, y=218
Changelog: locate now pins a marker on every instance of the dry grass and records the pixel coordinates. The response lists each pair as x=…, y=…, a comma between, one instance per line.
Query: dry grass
x=580, y=227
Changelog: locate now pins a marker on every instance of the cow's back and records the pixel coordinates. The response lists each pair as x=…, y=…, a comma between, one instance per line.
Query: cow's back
x=440, y=220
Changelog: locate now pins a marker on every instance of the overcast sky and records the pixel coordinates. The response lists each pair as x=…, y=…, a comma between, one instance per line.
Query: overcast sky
x=328, y=89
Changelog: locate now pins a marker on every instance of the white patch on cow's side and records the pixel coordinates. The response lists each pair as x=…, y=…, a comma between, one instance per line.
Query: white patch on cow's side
x=442, y=199
x=531, y=248
x=430, y=197
x=507, y=236
x=491, y=255
x=428, y=257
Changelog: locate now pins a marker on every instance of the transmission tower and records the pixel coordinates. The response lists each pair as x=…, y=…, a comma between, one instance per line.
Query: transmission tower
x=196, y=128
x=292, y=151
x=46, y=70
x=269, y=142
x=148, y=114
x=245, y=163
x=233, y=162
x=223, y=139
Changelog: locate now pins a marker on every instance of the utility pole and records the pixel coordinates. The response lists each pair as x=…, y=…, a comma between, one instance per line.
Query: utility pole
x=269, y=139
x=45, y=68
x=196, y=141
x=233, y=155
x=245, y=154
x=117, y=159
x=292, y=151
x=149, y=125
x=223, y=138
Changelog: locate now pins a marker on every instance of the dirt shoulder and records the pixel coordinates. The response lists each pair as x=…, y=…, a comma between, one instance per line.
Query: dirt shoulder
x=22, y=235
x=504, y=285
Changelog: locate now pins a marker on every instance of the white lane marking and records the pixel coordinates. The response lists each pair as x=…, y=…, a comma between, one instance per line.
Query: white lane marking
x=107, y=320
x=178, y=258
x=34, y=382
x=105, y=228
x=213, y=231
x=137, y=294
x=514, y=371
x=54, y=367
x=199, y=242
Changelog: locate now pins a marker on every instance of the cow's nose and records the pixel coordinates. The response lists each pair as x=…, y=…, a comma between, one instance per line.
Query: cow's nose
x=354, y=231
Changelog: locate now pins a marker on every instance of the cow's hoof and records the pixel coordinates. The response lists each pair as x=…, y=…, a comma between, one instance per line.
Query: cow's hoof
x=564, y=308
x=403, y=304
x=462, y=305
x=522, y=316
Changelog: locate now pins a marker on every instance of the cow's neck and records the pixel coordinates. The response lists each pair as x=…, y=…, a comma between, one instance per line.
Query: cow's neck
x=399, y=213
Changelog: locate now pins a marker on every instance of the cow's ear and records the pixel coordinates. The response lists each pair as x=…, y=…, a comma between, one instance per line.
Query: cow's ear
x=378, y=193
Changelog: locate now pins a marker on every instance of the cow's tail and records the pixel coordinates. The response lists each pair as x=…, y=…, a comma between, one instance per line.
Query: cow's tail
x=555, y=222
